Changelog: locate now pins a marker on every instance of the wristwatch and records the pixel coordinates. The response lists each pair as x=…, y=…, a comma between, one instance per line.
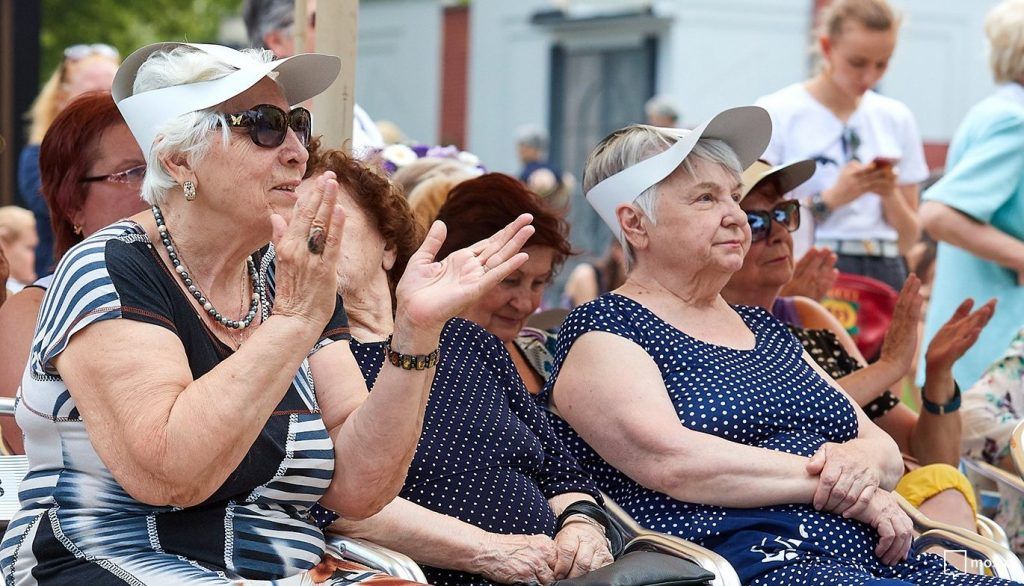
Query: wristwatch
x=951, y=406
x=819, y=209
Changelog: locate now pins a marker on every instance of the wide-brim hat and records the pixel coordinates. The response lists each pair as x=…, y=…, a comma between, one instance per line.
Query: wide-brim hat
x=789, y=176
x=300, y=77
x=746, y=130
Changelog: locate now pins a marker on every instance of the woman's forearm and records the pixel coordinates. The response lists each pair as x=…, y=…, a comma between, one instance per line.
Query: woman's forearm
x=376, y=443
x=426, y=536
x=868, y=383
x=982, y=240
x=936, y=438
x=902, y=216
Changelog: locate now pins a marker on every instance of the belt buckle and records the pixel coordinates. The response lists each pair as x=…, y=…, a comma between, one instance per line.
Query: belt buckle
x=870, y=247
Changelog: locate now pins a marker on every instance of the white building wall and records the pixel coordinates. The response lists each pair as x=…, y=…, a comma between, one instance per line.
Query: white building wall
x=398, y=76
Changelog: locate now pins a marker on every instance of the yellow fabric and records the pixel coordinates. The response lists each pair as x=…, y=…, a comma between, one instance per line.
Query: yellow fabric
x=925, y=482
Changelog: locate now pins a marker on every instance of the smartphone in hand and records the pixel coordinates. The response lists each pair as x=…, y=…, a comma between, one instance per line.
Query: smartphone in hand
x=885, y=162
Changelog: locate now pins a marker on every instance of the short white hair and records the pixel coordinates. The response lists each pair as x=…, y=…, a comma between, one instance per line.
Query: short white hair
x=626, y=147
x=188, y=134
x=1004, y=27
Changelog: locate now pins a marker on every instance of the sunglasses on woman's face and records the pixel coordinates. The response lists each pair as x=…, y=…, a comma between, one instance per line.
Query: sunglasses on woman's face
x=268, y=125
x=786, y=213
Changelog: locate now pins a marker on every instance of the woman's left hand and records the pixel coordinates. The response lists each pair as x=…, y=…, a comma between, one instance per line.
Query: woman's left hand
x=581, y=547
x=957, y=335
x=432, y=292
x=842, y=476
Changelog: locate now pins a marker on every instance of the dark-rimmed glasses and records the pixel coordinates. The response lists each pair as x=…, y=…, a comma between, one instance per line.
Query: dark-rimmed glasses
x=126, y=177
x=268, y=125
x=786, y=213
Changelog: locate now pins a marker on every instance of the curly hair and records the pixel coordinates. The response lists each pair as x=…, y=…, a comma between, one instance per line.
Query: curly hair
x=479, y=207
x=378, y=198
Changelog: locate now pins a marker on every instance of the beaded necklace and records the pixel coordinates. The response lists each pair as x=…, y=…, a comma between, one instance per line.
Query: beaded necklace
x=179, y=268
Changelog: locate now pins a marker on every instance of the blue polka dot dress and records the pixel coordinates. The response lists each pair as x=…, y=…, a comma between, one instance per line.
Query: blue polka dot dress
x=766, y=397
x=487, y=454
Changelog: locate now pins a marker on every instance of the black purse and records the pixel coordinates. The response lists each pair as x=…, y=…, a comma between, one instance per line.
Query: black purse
x=644, y=568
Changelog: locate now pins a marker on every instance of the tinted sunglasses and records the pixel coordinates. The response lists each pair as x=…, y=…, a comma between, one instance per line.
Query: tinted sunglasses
x=786, y=213
x=126, y=177
x=268, y=125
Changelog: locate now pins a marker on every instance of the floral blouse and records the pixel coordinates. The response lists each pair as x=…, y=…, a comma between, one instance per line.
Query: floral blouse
x=990, y=410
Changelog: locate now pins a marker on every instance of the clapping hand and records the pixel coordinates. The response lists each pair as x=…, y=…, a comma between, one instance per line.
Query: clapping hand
x=813, y=276
x=432, y=292
x=958, y=334
x=900, y=344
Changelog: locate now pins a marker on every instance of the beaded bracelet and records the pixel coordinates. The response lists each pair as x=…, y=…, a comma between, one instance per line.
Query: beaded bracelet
x=410, y=361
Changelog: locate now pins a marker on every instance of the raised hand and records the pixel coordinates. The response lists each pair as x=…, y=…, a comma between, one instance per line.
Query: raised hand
x=900, y=344
x=514, y=559
x=432, y=292
x=580, y=548
x=813, y=275
x=308, y=247
x=958, y=334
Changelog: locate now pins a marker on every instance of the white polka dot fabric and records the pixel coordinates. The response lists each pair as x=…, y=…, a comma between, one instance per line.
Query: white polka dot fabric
x=767, y=397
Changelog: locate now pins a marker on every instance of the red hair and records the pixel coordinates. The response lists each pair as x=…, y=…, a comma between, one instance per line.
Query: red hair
x=477, y=208
x=65, y=155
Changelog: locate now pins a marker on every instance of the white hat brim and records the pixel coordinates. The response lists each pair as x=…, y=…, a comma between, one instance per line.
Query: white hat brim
x=746, y=129
x=300, y=78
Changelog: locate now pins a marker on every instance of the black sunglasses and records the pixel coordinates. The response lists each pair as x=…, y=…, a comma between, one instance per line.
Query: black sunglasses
x=786, y=213
x=268, y=125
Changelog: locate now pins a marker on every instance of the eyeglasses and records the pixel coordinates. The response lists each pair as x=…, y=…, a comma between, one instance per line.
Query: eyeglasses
x=126, y=177
x=79, y=52
x=786, y=213
x=268, y=125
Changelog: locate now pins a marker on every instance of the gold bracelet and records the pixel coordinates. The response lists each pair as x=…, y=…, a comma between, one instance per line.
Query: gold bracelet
x=410, y=361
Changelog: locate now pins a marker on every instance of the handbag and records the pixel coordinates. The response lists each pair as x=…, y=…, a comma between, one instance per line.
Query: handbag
x=864, y=306
x=644, y=568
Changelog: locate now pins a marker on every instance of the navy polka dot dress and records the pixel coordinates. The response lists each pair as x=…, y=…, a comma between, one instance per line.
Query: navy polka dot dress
x=487, y=454
x=767, y=397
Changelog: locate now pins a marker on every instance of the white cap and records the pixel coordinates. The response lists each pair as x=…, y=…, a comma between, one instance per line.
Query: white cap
x=746, y=130
x=300, y=77
x=790, y=176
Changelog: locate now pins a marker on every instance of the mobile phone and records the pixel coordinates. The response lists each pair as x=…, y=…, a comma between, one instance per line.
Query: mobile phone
x=885, y=161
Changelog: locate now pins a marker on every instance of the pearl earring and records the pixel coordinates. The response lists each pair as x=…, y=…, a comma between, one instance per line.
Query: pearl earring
x=190, y=190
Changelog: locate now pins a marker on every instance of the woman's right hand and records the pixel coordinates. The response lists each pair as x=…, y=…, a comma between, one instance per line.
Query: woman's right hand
x=895, y=530
x=900, y=344
x=855, y=179
x=512, y=559
x=307, y=282
x=843, y=477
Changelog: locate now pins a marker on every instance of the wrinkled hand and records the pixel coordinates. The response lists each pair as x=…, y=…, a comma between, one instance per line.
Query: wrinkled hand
x=855, y=179
x=430, y=293
x=511, y=559
x=842, y=477
x=580, y=548
x=307, y=283
x=900, y=343
x=813, y=276
x=958, y=334
x=895, y=530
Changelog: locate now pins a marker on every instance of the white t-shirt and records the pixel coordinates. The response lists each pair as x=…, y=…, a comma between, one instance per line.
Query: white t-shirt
x=803, y=128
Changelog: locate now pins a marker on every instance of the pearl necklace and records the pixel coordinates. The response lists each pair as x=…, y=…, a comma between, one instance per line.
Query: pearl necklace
x=179, y=268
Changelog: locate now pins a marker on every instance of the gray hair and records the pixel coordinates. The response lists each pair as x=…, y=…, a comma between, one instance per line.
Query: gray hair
x=1004, y=27
x=532, y=136
x=188, y=134
x=628, y=146
x=263, y=17
x=662, y=105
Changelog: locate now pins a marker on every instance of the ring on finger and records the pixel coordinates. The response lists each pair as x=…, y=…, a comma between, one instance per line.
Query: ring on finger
x=316, y=241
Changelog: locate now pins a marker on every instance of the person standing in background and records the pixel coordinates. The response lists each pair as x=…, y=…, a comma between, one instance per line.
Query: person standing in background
x=269, y=24
x=976, y=210
x=662, y=111
x=84, y=68
x=863, y=196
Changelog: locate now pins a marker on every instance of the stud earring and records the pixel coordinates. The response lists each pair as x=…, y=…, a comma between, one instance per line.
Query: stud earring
x=190, y=190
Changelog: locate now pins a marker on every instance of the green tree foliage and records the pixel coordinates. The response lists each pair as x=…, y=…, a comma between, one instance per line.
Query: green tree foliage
x=127, y=24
